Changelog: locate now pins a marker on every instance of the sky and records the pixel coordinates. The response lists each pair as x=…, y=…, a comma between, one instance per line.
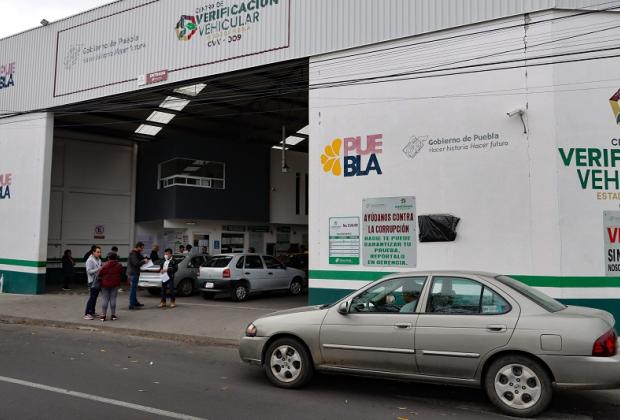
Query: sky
x=19, y=15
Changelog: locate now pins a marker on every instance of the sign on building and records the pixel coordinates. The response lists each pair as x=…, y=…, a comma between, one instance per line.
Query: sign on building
x=389, y=232
x=344, y=240
x=611, y=224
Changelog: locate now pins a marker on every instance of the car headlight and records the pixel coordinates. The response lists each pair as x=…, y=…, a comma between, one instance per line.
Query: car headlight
x=251, y=331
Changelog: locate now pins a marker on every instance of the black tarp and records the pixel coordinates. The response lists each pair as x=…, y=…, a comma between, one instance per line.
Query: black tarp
x=437, y=227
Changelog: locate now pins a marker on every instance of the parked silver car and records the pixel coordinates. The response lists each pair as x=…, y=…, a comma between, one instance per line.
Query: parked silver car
x=184, y=279
x=462, y=328
x=238, y=275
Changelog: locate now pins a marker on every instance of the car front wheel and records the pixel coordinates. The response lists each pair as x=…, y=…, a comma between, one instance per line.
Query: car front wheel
x=518, y=386
x=288, y=364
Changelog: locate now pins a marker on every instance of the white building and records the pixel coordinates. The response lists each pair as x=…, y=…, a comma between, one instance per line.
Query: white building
x=495, y=112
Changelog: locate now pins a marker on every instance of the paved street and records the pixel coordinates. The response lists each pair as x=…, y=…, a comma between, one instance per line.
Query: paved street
x=134, y=378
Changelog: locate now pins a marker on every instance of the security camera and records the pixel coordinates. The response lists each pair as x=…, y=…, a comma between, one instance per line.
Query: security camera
x=44, y=22
x=515, y=112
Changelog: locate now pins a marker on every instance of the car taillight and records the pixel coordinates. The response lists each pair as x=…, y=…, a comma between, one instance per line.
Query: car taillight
x=606, y=345
x=226, y=273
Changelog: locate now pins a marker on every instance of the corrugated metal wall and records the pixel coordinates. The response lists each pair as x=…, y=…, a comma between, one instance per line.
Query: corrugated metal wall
x=315, y=27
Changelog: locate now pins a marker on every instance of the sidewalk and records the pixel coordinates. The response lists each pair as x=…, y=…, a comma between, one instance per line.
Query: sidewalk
x=194, y=320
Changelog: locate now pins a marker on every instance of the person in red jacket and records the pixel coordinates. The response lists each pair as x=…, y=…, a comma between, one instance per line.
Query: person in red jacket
x=111, y=275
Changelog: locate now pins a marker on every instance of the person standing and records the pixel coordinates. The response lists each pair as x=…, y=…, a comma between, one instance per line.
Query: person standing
x=181, y=249
x=169, y=267
x=93, y=265
x=110, y=273
x=135, y=261
x=68, y=269
x=155, y=253
x=188, y=249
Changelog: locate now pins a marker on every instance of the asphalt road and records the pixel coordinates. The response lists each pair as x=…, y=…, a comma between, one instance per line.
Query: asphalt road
x=65, y=374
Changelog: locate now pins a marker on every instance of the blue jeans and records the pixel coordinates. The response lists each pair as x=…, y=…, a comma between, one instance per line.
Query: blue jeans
x=92, y=300
x=133, y=298
x=169, y=285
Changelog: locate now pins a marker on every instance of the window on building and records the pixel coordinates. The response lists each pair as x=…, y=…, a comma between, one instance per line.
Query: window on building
x=192, y=173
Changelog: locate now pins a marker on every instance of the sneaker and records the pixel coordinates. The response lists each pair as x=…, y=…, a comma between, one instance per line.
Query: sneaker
x=114, y=318
x=173, y=305
x=162, y=304
x=102, y=318
x=89, y=317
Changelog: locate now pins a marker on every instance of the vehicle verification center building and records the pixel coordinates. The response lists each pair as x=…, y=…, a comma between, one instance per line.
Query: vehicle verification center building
x=418, y=135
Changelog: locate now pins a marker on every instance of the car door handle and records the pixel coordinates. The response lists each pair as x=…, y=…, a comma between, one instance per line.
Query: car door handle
x=403, y=325
x=247, y=273
x=496, y=328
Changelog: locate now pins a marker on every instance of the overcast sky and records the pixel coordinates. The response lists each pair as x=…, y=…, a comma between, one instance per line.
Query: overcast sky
x=20, y=15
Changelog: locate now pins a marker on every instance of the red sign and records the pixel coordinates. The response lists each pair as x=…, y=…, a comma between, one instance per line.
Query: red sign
x=158, y=76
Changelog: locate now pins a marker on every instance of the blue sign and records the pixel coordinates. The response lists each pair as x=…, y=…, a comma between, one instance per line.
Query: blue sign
x=216, y=244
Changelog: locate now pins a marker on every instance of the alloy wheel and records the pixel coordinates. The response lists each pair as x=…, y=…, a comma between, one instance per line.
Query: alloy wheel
x=285, y=363
x=517, y=386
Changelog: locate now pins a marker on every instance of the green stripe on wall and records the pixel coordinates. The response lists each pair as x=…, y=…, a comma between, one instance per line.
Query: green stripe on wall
x=23, y=283
x=537, y=281
x=23, y=263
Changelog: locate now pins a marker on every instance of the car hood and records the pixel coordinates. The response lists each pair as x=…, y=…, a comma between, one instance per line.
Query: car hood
x=294, y=311
x=582, y=311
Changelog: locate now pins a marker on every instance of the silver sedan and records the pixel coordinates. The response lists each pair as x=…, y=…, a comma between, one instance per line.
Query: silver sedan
x=461, y=328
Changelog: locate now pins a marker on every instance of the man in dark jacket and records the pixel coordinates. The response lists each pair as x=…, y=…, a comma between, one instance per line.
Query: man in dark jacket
x=135, y=261
x=168, y=268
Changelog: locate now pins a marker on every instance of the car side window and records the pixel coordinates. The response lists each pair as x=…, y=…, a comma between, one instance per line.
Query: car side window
x=400, y=295
x=253, y=262
x=240, y=262
x=195, y=262
x=455, y=295
x=271, y=262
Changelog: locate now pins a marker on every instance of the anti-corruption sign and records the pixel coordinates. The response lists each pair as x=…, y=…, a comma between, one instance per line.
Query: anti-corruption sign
x=389, y=232
x=611, y=241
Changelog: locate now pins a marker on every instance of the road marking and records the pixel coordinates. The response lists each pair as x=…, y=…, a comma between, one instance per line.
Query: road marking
x=110, y=401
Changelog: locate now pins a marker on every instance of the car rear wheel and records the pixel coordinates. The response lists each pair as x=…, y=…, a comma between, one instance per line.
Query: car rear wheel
x=296, y=287
x=288, y=364
x=185, y=287
x=240, y=292
x=518, y=386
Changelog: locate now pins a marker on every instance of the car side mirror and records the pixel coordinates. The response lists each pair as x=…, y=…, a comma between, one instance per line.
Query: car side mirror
x=344, y=308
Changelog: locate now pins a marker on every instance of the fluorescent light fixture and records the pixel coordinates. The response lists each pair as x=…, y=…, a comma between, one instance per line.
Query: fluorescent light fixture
x=160, y=117
x=174, y=103
x=191, y=169
x=192, y=90
x=147, y=129
x=279, y=147
x=305, y=130
x=190, y=223
x=293, y=140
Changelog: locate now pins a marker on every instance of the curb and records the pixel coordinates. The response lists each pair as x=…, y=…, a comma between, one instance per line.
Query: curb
x=184, y=338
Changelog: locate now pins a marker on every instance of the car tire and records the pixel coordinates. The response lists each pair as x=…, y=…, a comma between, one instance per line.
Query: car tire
x=296, y=287
x=185, y=287
x=240, y=292
x=518, y=385
x=293, y=372
x=154, y=291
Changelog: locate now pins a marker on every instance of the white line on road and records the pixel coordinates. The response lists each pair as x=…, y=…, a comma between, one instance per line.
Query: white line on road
x=110, y=401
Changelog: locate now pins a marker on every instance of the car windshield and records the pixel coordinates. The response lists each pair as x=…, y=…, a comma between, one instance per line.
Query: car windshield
x=216, y=262
x=540, y=298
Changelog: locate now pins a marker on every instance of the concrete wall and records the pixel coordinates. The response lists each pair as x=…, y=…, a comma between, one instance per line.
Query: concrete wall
x=25, y=168
x=92, y=186
x=284, y=206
